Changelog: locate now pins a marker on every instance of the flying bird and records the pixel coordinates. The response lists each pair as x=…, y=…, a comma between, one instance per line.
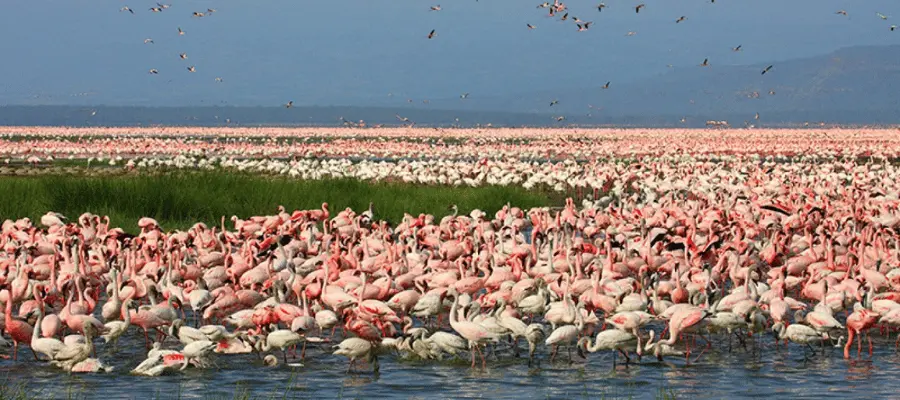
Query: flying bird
x=436, y=8
x=163, y=6
x=601, y=6
x=402, y=119
x=841, y=12
x=772, y=92
x=705, y=62
x=766, y=70
x=431, y=35
x=148, y=40
x=681, y=18
x=639, y=7
x=564, y=17
x=560, y=118
x=543, y=5
x=218, y=79
x=126, y=8
x=530, y=26
x=757, y=116
x=210, y=10
x=631, y=33
x=180, y=32
x=880, y=15
x=554, y=102
x=893, y=28
x=154, y=71
x=156, y=9
x=606, y=86
x=191, y=69
x=738, y=48
x=584, y=27
x=289, y=104
x=183, y=56
x=199, y=14
x=464, y=96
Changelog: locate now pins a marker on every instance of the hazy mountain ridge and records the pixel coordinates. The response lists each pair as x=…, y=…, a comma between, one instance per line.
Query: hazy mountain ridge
x=856, y=85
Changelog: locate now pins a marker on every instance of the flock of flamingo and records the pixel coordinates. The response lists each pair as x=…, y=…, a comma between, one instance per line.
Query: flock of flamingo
x=679, y=247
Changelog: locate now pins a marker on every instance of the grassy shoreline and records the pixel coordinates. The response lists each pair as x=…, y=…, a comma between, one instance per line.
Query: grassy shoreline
x=181, y=198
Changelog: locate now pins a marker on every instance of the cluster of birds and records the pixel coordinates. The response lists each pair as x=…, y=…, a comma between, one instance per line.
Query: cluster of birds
x=809, y=257
x=160, y=8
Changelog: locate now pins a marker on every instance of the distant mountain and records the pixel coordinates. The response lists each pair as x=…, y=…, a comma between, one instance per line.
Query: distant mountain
x=857, y=85
x=851, y=85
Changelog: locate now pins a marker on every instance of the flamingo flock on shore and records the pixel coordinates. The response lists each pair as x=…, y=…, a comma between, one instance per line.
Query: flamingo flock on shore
x=675, y=255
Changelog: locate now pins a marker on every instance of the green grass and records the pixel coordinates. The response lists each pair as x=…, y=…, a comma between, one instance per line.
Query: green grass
x=179, y=199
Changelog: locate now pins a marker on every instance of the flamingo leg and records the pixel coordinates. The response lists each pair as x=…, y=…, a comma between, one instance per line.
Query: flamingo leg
x=869, y=338
x=858, y=344
x=849, y=343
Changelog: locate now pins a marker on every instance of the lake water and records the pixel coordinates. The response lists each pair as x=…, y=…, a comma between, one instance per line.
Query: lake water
x=759, y=371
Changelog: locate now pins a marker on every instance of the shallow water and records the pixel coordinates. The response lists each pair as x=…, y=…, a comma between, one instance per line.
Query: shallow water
x=760, y=370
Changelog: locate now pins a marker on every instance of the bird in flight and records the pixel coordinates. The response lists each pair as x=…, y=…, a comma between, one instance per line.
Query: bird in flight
x=893, y=28
x=402, y=119
x=767, y=69
x=431, y=35
x=601, y=6
x=544, y=5
x=210, y=10
x=564, y=17
x=681, y=18
x=154, y=71
x=289, y=104
x=880, y=15
x=554, y=102
x=156, y=9
x=191, y=69
x=183, y=56
x=772, y=92
x=631, y=33
x=436, y=8
x=560, y=118
x=757, y=116
x=606, y=86
x=199, y=14
x=464, y=96
x=639, y=7
x=148, y=40
x=180, y=32
x=705, y=62
x=841, y=12
x=584, y=27
x=126, y=8
x=738, y=48
x=163, y=6
x=218, y=79
x=530, y=26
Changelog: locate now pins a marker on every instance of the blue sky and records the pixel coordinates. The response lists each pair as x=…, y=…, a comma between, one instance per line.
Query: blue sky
x=355, y=52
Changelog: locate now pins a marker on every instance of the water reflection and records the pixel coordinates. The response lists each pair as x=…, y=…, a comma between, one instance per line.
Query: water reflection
x=761, y=370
